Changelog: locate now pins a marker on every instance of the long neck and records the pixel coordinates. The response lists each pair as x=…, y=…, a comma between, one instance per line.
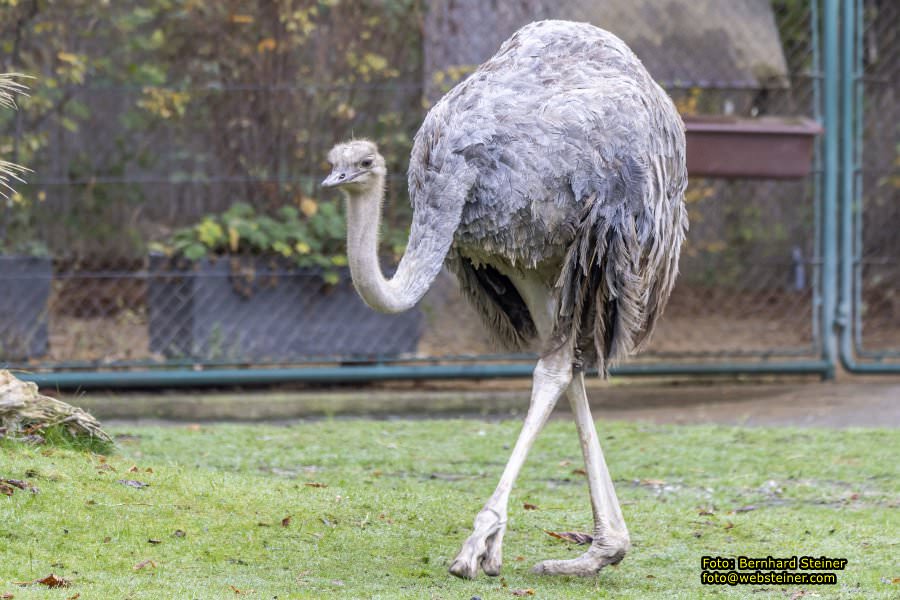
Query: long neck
x=412, y=278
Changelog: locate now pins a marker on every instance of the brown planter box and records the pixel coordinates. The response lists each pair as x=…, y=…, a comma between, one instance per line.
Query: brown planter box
x=766, y=147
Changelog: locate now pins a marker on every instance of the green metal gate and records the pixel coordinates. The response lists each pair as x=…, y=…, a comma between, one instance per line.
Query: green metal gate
x=869, y=310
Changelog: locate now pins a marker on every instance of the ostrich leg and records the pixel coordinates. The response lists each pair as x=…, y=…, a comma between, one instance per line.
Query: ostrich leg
x=611, y=540
x=551, y=377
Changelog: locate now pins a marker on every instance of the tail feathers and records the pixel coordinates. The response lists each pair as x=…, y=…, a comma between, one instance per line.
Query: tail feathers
x=604, y=288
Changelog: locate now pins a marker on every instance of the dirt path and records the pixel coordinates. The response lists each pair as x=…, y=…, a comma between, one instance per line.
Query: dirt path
x=852, y=404
x=838, y=405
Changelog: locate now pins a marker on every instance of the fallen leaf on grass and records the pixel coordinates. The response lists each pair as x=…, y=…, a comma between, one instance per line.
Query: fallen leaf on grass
x=9, y=486
x=523, y=592
x=579, y=472
x=652, y=482
x=573, y=537
x=528, y=506
x=890, y=580
x=152, y=541
x=106, y=467
x=705, y=511
x=238, y=591
x=315, y=484
x=52, y=581
x=133, y=483
x=286, y=521
x=742, y=509
x=798, y=594
x=143, y=564
x=75, y=597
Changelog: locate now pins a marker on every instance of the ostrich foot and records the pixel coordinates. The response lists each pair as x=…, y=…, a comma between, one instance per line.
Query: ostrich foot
x=483, y=548
x=609, y=550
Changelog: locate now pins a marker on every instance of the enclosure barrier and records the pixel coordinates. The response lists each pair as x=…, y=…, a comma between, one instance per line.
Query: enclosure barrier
x=854, y=357
x=746, y=309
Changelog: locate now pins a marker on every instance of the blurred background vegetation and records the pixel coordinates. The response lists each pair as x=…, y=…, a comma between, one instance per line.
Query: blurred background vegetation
x=146, y=116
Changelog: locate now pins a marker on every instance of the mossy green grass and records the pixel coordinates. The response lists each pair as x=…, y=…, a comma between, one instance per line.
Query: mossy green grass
x=354, y=508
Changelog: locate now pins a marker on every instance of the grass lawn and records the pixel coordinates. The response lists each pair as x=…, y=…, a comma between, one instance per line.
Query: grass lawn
x=378, y=509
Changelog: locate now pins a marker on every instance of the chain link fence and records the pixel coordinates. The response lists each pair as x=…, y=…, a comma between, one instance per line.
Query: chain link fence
x=148, y=123
x=876, y=257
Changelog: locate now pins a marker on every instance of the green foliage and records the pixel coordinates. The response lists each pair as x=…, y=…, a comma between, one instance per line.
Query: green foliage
x=140, y=94
x=316, y=239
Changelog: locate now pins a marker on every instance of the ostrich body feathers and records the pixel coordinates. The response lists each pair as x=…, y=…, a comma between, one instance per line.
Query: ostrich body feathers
x=559, y=157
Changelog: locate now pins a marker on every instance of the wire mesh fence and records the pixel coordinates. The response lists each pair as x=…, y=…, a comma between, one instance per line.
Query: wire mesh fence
x=876, y=314
x=149, y=121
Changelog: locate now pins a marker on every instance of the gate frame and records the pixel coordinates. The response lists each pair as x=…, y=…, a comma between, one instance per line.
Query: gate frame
x=848, y=318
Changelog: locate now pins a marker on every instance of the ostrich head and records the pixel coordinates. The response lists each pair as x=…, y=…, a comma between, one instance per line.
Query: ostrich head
x=357, y=168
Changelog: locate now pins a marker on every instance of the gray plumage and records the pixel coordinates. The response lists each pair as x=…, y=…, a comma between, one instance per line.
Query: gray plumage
x=559, y=156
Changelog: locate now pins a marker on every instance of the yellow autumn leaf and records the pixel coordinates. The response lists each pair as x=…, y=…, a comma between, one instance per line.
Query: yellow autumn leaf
x=67, y=57
x=242, y=19
x=234, y=239
x=376, y=62
x=266, y=45
x=302, y=248
x=308, y=207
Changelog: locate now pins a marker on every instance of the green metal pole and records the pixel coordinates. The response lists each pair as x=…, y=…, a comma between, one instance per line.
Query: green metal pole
x=355, y=374
x=851, y=111
x=831, y=43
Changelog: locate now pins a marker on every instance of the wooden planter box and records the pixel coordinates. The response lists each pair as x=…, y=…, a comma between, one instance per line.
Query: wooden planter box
x=24, y=295
x=767, y=147
x=264, y=310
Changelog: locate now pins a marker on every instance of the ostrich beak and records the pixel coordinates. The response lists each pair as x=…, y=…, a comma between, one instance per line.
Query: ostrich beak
x=336, y=178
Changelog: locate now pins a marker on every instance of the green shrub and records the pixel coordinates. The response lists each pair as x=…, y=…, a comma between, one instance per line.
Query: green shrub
x=314, y=238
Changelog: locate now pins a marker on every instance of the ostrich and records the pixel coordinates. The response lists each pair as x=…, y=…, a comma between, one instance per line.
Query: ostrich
x=551, y=182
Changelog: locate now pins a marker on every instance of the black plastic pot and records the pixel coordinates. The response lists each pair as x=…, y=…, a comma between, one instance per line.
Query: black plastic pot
x=24, y=295
x=264, y=310
x=765, y=147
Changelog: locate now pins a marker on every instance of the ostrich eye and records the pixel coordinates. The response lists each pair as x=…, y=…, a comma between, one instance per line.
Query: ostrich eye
x=366, y=163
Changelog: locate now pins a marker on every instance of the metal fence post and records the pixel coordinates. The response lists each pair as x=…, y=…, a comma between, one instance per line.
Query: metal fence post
x=831, y=42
